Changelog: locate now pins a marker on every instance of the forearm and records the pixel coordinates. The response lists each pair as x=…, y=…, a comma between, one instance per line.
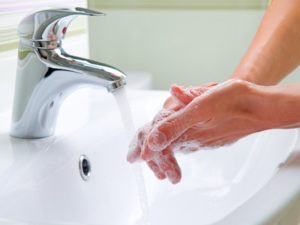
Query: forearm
x=275, y=106
x=275, y=50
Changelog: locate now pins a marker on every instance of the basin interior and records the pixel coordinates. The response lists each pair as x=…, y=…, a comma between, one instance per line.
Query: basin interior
x=41, y=184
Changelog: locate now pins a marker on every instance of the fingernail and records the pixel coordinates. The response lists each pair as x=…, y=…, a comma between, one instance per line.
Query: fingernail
x=130, y=158
x=173, y=177
x=161, y=176
x=157, y=141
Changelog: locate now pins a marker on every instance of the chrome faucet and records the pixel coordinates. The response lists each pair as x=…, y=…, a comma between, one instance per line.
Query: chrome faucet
x=46, y=74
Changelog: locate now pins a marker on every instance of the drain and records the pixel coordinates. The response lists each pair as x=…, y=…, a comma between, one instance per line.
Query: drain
x=84, y=167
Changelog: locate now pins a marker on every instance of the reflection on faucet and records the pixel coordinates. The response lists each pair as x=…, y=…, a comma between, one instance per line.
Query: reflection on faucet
x=46, y=74
x=53, y=41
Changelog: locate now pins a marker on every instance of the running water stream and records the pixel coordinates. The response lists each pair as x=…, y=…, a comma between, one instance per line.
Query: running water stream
x=126, y=116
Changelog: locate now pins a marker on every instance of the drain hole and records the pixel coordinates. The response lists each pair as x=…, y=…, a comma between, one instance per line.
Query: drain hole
x=84, y=167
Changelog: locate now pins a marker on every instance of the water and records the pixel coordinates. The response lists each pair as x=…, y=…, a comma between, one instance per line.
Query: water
x=126, y=116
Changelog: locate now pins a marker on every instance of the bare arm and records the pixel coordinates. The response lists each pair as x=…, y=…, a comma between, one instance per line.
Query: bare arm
x=275, y=50
x=224, y=113
x=279, y=105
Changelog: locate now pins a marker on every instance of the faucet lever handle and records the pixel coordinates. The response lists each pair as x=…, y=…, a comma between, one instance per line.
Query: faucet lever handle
x=50, y=26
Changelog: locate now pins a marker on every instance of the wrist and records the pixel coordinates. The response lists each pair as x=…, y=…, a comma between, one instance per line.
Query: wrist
x=246, y=75
x=254, y=74
x=253, y=68
x=258, y=72
x=273, y=107
x=255, y=106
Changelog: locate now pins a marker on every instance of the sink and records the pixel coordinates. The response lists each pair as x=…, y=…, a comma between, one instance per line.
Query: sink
x=41, y=183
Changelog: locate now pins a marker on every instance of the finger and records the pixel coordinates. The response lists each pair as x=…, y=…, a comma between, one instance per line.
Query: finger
x=136, y=144
x=134, y=149
x=169, y=165
x=134, y=155
x=174, y=126
x=169, y=108
x=156, y=170
x=147, y=153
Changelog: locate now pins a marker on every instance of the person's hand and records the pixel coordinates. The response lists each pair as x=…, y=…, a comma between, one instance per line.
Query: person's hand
x=220, y=116
x=160, y=161
x=163, y=163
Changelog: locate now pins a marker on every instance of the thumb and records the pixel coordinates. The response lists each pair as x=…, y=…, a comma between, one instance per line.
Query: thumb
x=169, y=129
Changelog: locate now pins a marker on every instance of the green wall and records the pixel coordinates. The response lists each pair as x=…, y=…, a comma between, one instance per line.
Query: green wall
x=178, y=4
x=187, y=42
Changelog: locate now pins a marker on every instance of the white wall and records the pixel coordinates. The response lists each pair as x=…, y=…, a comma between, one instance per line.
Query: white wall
x=186, y=47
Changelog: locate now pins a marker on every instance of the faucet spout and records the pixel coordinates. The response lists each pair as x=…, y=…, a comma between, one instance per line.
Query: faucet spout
x=46, y=74
x=102, y=74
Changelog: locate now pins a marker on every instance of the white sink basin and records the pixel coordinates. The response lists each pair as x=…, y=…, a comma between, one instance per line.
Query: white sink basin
x=41, y=184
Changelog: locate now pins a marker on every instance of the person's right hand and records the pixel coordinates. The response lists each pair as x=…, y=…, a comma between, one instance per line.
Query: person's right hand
x=222, y=115
x=163, y=163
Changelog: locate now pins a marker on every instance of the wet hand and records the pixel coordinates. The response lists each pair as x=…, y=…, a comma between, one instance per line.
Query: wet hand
x=218, y=117
x=163, y=163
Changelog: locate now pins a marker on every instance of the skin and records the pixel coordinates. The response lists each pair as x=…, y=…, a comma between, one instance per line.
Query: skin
x=214, y=115
x=275, y=49
x=163, y=163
